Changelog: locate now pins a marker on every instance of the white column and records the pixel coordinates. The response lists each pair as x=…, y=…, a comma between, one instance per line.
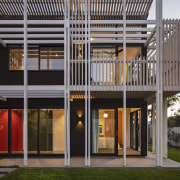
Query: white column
x=153, y=127
x=66, y=86
x=124, y=82
x=86, y=130
x=165, y=129
x=25, y=88
x=159, y=93
x=68, y=61
x=89, y=93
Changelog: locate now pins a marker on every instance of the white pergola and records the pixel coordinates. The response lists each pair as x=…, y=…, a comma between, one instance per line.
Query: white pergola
x=78, y=22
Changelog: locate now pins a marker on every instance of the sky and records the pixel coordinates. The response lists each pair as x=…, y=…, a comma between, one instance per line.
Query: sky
x=171, y=9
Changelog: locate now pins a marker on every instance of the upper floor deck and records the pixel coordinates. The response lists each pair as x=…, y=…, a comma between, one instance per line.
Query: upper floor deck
x=82, y=46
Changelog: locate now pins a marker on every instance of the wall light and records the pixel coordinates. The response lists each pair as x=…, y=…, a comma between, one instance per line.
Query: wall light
x=79, y=125
x=80, y=114
x=105, y=115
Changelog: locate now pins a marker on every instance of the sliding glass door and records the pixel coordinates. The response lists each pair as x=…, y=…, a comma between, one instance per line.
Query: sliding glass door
x=103, y=131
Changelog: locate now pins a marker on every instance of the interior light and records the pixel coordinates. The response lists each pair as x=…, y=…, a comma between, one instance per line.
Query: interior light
x=105, y=115
x=91, y=39
x=56, y=55
x=23, y=55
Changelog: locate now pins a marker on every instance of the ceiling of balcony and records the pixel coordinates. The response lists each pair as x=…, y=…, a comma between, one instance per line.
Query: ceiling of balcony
x=54, y=9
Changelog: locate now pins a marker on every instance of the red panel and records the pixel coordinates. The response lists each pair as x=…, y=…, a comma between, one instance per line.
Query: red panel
x=17, y=130
x=3, y=130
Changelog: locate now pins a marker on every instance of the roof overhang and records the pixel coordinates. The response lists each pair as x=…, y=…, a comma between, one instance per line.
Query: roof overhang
x=54, y=10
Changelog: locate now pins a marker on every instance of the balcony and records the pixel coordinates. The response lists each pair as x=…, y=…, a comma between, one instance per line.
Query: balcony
x=107, y=74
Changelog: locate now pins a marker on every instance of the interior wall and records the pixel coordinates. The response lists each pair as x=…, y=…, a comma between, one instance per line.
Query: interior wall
x=17, y=130
x=3, y=131
x=107, y=124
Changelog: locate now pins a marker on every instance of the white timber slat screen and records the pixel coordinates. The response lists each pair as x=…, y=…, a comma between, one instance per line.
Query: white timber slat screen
x=171, y=60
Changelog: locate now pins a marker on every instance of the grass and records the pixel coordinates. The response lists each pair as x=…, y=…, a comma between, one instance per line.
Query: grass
x=173, y=153
x=150, y=148
x=95, y=174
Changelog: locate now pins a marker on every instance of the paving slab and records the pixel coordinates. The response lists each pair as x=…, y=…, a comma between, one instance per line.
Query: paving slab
x=98, y=161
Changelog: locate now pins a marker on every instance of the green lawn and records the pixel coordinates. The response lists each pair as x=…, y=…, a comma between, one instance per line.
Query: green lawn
x=95, y=174
x=173, y=153
x=150, y=148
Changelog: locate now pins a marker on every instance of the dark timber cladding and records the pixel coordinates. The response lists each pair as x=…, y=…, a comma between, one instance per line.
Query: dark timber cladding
x=42, y=77
x=77, y=133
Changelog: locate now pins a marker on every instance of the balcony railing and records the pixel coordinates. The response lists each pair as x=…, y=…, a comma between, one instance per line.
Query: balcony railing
x=109, y=72
x=140, y=73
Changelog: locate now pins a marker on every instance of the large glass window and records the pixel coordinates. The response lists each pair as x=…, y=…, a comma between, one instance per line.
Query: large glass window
x=107, y=65
x=51, y=59
x=3, y=131
x=51, y=137
x=38, y=58
x=17, y=131
x=103, y=131
x=16, y=59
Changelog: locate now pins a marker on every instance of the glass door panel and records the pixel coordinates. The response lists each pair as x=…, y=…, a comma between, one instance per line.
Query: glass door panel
x=133, y=130
x=51, y=137
x=32, y=130
x=103, y=131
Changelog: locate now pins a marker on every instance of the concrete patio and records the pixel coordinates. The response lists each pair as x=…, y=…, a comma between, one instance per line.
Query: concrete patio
x=113, y=162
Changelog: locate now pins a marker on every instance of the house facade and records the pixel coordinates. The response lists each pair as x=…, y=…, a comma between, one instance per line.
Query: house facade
x=77, y=76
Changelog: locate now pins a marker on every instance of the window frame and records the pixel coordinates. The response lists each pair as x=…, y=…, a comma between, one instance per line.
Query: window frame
x=39, y=47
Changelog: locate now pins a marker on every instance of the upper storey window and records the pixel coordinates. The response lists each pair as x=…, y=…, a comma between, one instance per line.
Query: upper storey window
x=39, y=58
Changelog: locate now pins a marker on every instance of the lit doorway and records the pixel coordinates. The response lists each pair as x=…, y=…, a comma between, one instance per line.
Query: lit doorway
x=133, y=131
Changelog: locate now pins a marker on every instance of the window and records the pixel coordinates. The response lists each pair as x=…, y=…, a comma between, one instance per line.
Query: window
x=51, y=59
x=51, y=132
x=39, y=58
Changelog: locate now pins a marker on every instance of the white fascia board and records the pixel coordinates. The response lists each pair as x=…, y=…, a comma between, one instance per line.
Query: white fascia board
x=46, y=88
x=39, y=36
x=32, y=88
x=54, y=91
x=40, y=22
x=34, y=41
x=32, y=29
